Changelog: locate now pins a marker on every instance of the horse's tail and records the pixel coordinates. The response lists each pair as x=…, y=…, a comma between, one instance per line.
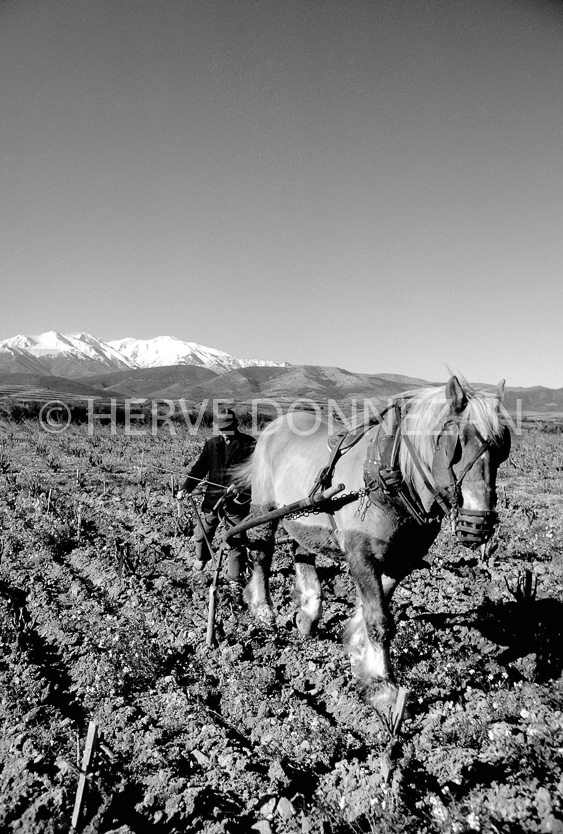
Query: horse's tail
x=256, y=471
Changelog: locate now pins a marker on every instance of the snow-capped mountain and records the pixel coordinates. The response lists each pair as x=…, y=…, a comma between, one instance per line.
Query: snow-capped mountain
x=53, y=343
x=168, y=350
x=84, y=355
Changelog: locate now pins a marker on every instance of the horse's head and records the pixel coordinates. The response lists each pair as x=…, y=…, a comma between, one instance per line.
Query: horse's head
x=470, y=447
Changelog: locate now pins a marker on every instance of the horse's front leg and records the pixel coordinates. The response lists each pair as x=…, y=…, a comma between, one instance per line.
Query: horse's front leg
x=368, y=635
x=261, y=540
x=308, y=589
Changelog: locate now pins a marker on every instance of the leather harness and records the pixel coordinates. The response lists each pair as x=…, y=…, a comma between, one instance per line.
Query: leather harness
x=384, y=481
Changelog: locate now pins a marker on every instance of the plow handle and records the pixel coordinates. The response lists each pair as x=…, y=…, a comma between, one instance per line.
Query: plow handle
x=280, y=512
x=213, y=600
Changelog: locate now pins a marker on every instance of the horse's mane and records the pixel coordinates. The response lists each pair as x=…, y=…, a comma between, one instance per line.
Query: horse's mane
x=425, y=411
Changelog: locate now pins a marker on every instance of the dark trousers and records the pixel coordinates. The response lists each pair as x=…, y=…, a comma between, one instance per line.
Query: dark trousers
x=208, y=527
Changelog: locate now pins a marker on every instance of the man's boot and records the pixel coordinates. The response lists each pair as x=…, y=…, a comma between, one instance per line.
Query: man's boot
x=235, y=565
x=202, y=556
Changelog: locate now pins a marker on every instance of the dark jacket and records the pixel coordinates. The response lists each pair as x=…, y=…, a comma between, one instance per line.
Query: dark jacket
x=216, y=462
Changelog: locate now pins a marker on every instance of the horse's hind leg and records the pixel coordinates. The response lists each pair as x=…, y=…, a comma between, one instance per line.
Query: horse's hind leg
x=369, y=633
x=261, y=550
x=308, y=590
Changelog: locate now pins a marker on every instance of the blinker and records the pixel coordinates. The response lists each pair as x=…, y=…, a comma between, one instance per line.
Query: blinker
x=448, y=442
x=503, y=450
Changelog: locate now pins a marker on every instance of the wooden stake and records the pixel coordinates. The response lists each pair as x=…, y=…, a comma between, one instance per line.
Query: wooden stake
x=399, y=710
x=211, y=615
x=120, y=553
x=86, y=761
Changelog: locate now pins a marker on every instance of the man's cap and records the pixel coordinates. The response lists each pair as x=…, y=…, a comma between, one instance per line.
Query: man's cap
x=227, y=419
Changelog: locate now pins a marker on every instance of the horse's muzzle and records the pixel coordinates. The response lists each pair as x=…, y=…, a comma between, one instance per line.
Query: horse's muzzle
x=475, y=527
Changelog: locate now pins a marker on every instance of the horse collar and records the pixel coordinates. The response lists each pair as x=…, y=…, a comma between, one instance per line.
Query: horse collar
x=382, y=475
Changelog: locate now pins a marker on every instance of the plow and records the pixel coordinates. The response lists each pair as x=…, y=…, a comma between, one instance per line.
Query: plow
x=320, y=502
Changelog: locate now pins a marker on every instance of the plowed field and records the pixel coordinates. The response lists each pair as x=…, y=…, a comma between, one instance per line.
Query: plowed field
x=102, y=619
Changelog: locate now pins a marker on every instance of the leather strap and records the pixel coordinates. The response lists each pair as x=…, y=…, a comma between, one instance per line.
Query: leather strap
x=432, y=488
x=324, y=477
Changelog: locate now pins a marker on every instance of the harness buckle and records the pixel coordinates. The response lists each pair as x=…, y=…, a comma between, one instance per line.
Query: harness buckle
x=390, y=480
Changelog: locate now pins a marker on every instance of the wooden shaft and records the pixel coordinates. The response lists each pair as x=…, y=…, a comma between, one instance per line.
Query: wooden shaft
x=280, y=512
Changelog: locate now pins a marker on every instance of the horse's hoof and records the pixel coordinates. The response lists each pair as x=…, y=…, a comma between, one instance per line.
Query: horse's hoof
x=263, y=613
x=381, y=695
x=305, y=624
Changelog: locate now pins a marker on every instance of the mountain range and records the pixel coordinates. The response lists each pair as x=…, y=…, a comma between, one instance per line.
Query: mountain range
x=84, y=355
x=81, y=366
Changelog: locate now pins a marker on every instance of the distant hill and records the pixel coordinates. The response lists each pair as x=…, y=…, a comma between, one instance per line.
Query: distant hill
x=298, y=381
x=535, y=400
x=195, y=384
x=166, y=382
x=37, y=387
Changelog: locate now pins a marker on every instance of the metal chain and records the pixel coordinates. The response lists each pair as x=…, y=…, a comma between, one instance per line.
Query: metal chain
x=364, y=504
x=353, y=495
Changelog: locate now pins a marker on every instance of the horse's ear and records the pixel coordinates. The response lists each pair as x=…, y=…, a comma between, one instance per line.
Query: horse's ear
x=456, y=395
x=500, y=390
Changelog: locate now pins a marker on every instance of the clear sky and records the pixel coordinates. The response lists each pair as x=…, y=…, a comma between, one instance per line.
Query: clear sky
x=373, y=184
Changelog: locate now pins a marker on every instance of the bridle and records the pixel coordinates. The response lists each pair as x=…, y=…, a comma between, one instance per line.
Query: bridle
x=384, y=479
x=471, y=527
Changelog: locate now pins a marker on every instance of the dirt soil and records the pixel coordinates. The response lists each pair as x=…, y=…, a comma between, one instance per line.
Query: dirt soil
x=102, y=619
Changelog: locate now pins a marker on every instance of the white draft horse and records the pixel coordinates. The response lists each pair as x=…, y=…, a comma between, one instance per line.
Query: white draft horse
x=436, y=455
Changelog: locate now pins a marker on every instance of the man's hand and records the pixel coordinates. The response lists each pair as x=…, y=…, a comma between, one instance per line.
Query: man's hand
x=180, y=494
